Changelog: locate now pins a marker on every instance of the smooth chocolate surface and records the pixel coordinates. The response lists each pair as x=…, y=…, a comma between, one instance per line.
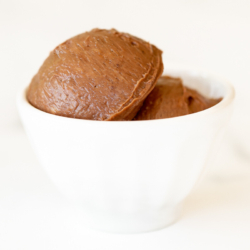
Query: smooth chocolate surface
x=97, y=75
x=170, y=98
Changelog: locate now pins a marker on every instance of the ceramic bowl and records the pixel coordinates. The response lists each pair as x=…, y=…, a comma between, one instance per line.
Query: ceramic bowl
x=130, y=176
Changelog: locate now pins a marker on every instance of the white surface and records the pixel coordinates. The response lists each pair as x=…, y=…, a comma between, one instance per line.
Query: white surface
x=211, y=34
x=130, y=177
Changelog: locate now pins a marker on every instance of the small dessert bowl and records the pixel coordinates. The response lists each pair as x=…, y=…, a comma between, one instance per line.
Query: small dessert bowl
x=130, y=176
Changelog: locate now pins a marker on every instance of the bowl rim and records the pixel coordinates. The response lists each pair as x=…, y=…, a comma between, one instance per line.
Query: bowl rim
x=227, y=99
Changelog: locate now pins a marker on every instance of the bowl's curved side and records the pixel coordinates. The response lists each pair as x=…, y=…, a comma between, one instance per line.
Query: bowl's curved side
x=126, y=176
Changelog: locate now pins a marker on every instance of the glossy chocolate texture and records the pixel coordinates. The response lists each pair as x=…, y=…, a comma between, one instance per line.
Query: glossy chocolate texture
x=170, y=98
x=97, y=75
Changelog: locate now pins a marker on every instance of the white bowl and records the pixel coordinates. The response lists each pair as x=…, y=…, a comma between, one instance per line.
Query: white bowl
x=131, y=176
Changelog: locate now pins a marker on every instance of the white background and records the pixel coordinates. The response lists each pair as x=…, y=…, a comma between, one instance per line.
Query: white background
x=210, y=34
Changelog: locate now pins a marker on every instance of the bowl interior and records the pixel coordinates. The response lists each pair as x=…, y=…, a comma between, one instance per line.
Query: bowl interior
x=205, y=84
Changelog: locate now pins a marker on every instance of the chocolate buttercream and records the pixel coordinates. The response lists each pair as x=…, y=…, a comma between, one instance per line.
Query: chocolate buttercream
x=97, y=75
x=170, y=98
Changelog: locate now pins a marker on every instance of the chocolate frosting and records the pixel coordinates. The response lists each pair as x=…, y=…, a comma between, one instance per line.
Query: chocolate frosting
x=97, y=75
x=170, y=98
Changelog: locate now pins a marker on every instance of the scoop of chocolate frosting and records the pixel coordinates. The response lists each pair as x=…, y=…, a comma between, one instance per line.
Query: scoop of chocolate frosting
x=97, y=75
x=170, y=98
